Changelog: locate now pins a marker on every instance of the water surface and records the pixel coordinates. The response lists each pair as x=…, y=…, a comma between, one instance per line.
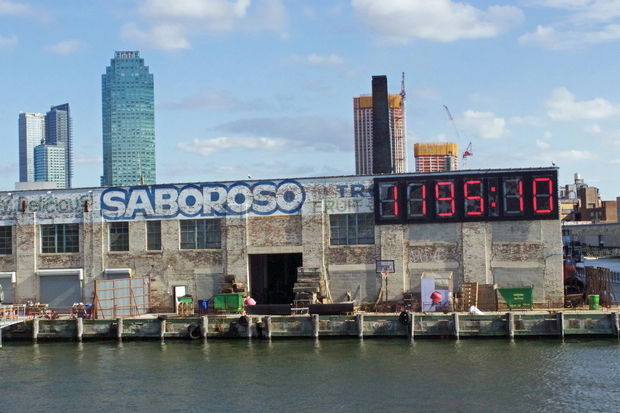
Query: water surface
x=338, y=375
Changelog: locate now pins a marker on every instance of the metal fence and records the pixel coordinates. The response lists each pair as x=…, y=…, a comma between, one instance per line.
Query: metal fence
x=122, y=297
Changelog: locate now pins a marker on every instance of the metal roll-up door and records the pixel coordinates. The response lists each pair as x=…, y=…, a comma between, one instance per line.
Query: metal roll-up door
x=7, y=288
x=59, y=290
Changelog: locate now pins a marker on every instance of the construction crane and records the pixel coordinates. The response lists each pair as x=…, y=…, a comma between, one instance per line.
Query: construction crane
x=468, y=151
x=466, y=154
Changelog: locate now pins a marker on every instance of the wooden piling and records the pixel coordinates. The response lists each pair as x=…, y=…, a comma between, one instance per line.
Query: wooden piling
x=249, y=325
x=79, y=328
x=457, y=328
x=162, y=329
x=119, y=330
x=315, y=325
x=615, y=324
x=560, y=322
x=411, y=324
x=35, y=329
x=204, y=326
x=510, y=324
x=267, y=321
x=359, y=324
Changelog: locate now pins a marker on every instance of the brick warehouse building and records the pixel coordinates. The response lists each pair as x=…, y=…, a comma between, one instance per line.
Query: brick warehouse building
x=487, y=226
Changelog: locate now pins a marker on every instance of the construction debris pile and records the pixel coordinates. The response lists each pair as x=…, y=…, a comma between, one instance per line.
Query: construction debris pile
x=230, y=285
x=598, y=282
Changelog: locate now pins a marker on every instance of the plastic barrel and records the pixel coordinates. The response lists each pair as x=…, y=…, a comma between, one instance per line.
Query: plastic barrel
x=593, y=300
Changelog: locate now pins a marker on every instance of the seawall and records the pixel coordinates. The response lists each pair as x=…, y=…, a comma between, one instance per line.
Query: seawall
x=413, y=326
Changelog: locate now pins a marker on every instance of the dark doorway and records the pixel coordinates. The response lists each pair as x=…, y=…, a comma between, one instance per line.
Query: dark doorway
x=272, y=277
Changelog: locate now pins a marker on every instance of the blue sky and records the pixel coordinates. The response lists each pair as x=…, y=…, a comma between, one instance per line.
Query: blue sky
x=265, y=87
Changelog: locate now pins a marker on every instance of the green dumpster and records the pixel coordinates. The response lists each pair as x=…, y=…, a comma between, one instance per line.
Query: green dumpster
x=228, y=303
x=518, y=297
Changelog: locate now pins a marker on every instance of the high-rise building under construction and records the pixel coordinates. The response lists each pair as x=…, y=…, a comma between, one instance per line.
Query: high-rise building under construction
x=435, y=157
x=378, y=130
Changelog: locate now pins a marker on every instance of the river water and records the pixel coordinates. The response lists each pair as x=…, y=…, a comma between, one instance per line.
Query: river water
x=331, y=375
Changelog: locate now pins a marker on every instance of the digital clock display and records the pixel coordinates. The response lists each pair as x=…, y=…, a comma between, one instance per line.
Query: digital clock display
x=467, y=196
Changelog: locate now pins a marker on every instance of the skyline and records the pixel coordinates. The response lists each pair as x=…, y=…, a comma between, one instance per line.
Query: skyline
x=265, y=88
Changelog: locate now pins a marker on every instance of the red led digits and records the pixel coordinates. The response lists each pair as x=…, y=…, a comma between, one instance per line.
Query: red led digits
x=444, y=196
x=395, y=200
x=474, y=204
x=543, y=195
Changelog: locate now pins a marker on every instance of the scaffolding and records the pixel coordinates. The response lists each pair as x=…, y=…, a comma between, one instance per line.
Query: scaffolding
x=122, y=297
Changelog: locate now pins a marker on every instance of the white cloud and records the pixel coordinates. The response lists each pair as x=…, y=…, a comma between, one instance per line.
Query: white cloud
x=585, y=10
x=549, y=38
x=440, y=20
x=485, y=124
x=316, y=60
x=216, y=99
x=10, y=8
x=8, y=41
x=166, y=37
x=542, y=144
x=206, y=147
x=547, y=135
x=65, y=47
x=171, y=25
x=526, y=120
x=574, y=155
x=563, y=107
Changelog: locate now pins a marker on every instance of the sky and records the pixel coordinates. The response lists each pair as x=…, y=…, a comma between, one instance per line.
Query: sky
x=264, y=88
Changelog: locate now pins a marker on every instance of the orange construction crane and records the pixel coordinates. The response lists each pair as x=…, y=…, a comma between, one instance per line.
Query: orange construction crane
x=469, y=151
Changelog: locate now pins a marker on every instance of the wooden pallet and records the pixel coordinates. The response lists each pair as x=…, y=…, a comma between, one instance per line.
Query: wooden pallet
x=469, y=296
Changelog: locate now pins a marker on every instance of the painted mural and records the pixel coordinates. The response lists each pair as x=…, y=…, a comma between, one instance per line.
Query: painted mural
x=194, y=200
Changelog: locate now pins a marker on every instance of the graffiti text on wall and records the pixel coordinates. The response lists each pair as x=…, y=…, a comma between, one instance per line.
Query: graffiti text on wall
x=205, y=200
x=43, y=204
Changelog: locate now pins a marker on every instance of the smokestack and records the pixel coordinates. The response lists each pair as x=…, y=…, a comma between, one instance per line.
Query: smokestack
x=381, y=148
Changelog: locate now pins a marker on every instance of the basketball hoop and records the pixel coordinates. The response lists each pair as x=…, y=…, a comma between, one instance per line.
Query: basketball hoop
x=384, y=272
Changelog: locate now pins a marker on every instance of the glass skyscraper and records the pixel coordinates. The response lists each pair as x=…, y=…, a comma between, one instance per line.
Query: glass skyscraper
x=128, y=121
x=49, y=164
x=31, y=134
x=58, y=132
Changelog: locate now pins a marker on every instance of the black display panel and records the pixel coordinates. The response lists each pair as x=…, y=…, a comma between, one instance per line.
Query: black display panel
x=520, y=194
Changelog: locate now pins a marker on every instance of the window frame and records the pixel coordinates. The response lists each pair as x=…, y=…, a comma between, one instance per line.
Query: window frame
x=200, y=234
x=150, y=233
x=60, y=238
x=352, y=229
x=118, y=236
x=6, y=240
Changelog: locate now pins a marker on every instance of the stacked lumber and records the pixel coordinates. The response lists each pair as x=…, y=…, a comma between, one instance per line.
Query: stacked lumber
x=230, y=285
x=487, y=297
x=309, y=288
x=467, y=297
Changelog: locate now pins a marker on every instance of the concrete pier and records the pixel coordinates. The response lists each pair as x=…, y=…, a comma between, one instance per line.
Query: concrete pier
x=514, y=325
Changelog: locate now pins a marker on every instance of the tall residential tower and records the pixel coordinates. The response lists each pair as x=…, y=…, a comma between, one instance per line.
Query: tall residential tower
x=128, y=121
x=31, y=134
x=58, y=133
x=378, y=120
